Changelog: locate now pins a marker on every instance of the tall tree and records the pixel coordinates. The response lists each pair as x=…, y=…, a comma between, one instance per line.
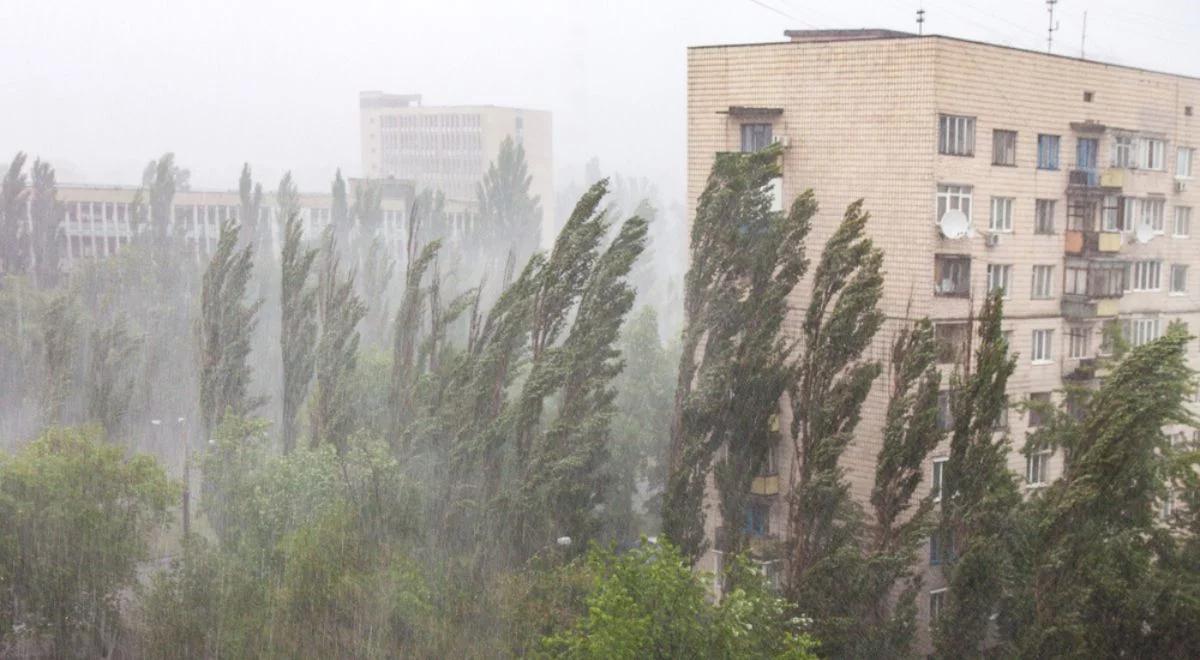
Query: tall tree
x=60, y=325
x=14, y=239
x=110, y=379
x=340, y=310
x=227, y=322
x=250, y=195
x=298, y=326
x=734, y=365
x=1103, y=583
x=509, y=217
x=287, y=197
x=825, y=524
x=339, y=208
x=46, y=216
x=980, y=496
x=368, y=206
x=566, y=475
x=160, y=180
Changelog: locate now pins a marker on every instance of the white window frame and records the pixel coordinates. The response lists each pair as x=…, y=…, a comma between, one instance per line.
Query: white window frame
x=1001, y=219
x=1044, y=210
x=1042, y=346
x=1154, y=213
x=938, y=477
x=1079, y=342
x=936, y=596
x=1139, y=331
x=1172, y=279
x=1152, y=153
x=1183, y=222
x=1000, y=276
x=1185, y=158
x=952, y=196
x=1053, y=160
x=1124, y=151
x=1036, y=464
x=1144, y=276
x=1042, y=282
x=956, y=135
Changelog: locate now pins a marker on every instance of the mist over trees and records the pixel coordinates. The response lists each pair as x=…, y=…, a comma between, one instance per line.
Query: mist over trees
x=474, y=445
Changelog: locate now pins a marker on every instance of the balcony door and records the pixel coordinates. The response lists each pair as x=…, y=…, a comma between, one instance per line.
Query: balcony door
x=1087, y=151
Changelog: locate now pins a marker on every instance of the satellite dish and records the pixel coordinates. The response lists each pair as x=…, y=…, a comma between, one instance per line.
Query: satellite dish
x=1143, y=234
x=954, y=224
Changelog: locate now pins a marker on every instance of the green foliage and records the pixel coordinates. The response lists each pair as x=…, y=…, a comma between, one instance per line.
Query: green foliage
x=77, y=517
x=46, y=215
x=647, y=603
x=110, y=380
x=981, y=496
x=509, y=217
x=1106, y=578
x=60, y=326
x=339, y=309
x=14, y=243
x=224, y=333
x=298, y=326
x=735, y=363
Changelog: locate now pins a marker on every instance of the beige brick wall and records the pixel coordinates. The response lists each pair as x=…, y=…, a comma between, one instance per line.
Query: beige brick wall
x=862, y=119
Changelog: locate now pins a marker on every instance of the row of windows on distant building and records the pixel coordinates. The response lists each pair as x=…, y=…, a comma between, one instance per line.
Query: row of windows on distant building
x=956, y=137
x=1096, y=279
x=1115, y=212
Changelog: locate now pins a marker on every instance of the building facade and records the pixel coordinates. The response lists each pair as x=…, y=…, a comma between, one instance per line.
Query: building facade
x=1067, y=183
x=449, y=148
x=99, y=220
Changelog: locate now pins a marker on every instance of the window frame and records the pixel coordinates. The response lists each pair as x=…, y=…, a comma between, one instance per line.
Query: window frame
x=951, y=196
x=1184, y=214
x=1006, y=286
x=1046, y=291
x=1040, y=215
x=755, y=130
x=1079, y=342
x=1001, y=209
x=1141, y=272
x=1049, y=152
x=959, y=129
x=1004, y=147
x=1171, y=279
x=1182, y=171
x=1041, y=347
x=937, y=477
x=1036, y=463
x=961, y=264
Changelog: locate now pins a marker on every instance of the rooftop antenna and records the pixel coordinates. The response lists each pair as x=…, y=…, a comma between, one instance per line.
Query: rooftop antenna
x=1053, y=26
x=921, y=21
x=1083, y=39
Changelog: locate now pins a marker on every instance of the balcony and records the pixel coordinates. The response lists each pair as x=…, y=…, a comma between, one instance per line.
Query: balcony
x=1083, y=370
x=1094, y=180
x=1091, y=243
x=766, y=485
x=1092, y=288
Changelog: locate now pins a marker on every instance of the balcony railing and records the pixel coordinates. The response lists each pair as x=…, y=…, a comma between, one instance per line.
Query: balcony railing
x=1088, y=243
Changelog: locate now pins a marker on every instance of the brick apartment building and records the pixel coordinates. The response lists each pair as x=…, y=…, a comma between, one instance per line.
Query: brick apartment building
x=1068, y=183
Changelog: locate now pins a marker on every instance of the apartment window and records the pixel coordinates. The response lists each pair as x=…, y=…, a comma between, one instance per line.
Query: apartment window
x=758, y=518
x=1044, y=216
x=1035, y=468
x=1140, y=331
x=1145, y=275
x=1110, y=213
x=1079, y=342
x=956, y=135
x=953, y=198
x=1123, y=152
x=950, y=340
x=1152, y=214
x=1152, y=152
x=1183, y=162
x=1183, y=221
x=1048, y=152
x=1179, y=278
x=939, y=472
x=755, y=137
x=945, y=417
x=1076, y=280
x=1004, y=147
x=1043, y=348
x=1043, y=282
x=1002, y=210
x=1088, y=96
x=941, y=547
x=952, y=274
x=1038, y=402
x=937, y=601
x=1129, y=213
x=999, y=277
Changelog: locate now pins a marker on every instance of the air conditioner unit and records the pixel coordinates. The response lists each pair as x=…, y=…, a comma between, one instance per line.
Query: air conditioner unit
x=782, y=140
x=992, y=240
x=1180, y=186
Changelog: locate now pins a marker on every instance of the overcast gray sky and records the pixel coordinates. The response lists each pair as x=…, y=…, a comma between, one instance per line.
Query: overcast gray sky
x=101, y=86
